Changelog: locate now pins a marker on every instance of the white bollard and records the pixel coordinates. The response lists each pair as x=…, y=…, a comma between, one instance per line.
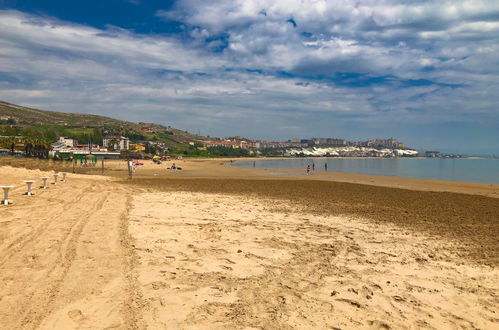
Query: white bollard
x=44, y=178
x=29, y=183
x=6, y=194
x=64, y=177
x=55, y=178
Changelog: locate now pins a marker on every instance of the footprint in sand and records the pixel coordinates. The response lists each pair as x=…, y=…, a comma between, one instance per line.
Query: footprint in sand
x=351, y=302
x=375, y=324
x=75, y=315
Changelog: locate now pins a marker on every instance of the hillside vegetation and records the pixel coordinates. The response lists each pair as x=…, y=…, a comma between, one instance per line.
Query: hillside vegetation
x=85, y=127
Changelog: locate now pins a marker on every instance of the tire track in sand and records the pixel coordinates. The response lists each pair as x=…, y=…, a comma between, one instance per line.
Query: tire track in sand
x=43, y=306
x=134, y=303
x=20, y=243
x=73, y=254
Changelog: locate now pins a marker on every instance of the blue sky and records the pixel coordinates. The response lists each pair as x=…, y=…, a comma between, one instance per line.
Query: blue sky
x=426, y=72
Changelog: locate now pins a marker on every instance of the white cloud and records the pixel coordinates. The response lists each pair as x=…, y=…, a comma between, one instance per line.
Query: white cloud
x=365, y=31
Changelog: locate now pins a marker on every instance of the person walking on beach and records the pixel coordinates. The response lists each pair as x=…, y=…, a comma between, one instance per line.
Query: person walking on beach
x=325, y=167
x=308, y=169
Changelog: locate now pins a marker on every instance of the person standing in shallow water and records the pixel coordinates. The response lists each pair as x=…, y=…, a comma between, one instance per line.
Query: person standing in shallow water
x=313, y=166
x=325, y=167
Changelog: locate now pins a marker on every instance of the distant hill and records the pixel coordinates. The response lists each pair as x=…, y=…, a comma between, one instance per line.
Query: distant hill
x=30, y=116
x=63, y=122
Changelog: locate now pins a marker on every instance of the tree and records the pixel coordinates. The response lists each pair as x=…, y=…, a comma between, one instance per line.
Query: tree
x=112, y=144
x=9, y=143
x=28, y=146
x=8, y=130
x=42, y=148
x=11, y=140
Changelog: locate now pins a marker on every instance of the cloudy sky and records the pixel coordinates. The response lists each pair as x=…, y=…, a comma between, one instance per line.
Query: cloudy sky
x=423, y=71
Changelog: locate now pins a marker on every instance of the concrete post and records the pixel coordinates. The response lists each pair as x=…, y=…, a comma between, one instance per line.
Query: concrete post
x=44, y=179
x=129, y=169
x=6, y=194
x=29, y=183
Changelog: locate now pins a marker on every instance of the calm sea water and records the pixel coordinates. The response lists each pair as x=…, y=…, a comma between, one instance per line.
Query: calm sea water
x=465, y=170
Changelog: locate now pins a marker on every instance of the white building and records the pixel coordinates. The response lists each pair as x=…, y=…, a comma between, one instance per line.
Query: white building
x=68, y=142
x=117, y=143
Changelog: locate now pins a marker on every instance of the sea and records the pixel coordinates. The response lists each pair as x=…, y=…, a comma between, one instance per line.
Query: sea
x=479, y=170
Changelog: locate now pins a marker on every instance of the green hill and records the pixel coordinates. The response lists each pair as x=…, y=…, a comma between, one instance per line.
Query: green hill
x=19, y=120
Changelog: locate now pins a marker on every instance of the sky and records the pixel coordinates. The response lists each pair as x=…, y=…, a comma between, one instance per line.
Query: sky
x=425, y=72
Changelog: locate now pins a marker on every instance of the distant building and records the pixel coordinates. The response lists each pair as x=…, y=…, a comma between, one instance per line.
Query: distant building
x=87, y=146
x=155, y=148
x=382, y=143
x=57, y=146
x=68, y=141
x=307, y=142
x=137, y=147
x=62, y=123
x=117, y=143
x=431, y=154
x=336, y=142
x=224, y=143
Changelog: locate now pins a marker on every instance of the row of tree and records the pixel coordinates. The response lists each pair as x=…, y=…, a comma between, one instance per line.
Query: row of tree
x=32, y=147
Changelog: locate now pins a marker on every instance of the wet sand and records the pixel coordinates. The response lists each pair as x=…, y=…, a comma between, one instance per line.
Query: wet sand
x=211, y=247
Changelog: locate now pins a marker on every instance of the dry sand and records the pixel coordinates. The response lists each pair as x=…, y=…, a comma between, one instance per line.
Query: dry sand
x=65, y=259
x=226, y=262
x=194, y=250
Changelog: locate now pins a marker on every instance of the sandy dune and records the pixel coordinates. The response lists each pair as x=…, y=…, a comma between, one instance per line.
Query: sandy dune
x=93, y=253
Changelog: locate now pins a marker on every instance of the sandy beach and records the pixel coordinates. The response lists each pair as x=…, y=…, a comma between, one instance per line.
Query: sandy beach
x=214, y=247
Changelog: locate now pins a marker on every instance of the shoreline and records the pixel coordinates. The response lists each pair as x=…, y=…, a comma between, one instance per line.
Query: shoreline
x=217, y=168
x=322, y=172
x=220, y=168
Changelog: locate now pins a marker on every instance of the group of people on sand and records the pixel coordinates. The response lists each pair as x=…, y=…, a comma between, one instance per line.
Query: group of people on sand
x=310, y=169
x=159, y=161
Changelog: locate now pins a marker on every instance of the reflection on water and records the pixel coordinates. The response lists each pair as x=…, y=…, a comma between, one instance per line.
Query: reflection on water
x=466, y=170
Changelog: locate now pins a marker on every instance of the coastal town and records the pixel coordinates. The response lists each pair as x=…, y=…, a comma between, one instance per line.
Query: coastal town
x=43, y=134
x=115, y=147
